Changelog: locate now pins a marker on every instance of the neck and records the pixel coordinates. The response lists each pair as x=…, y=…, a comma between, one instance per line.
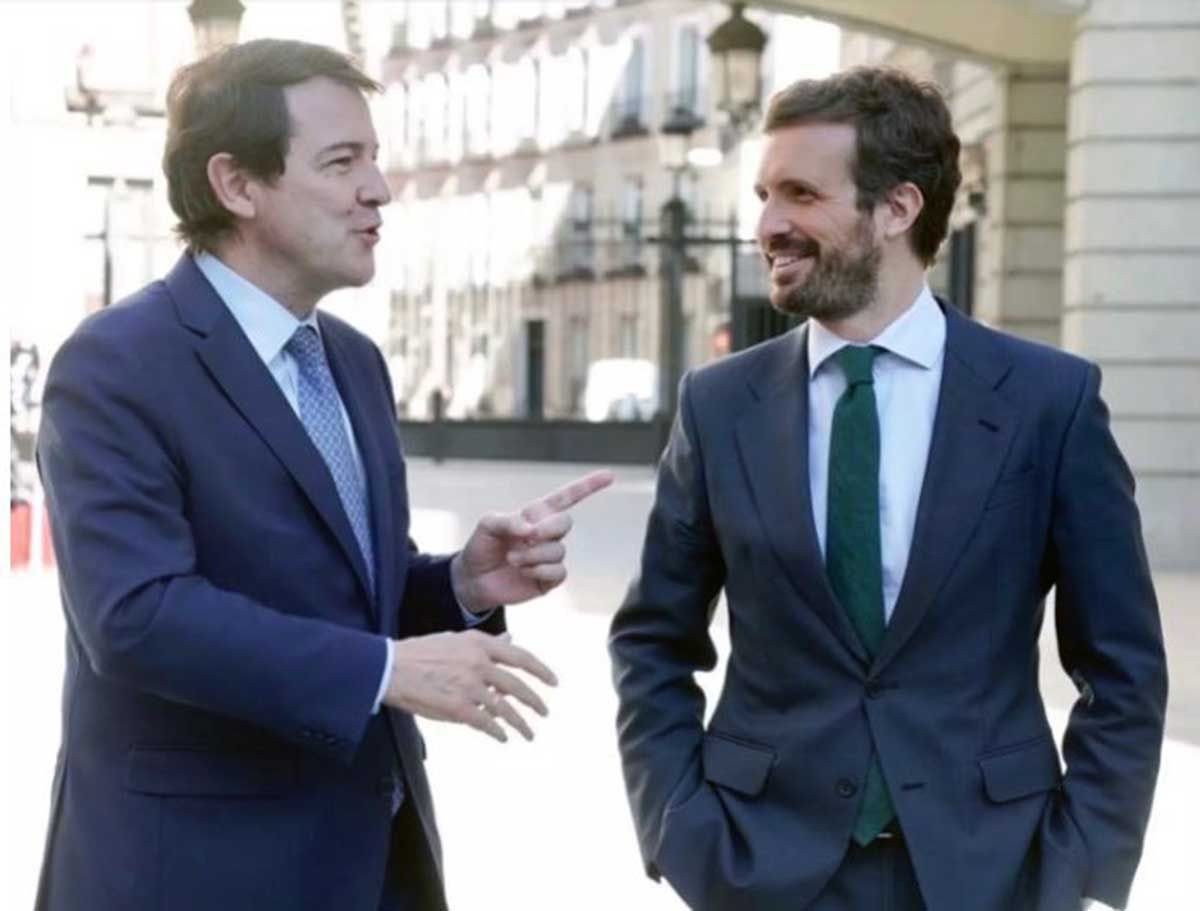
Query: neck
x=272, y=280
x=899, y=285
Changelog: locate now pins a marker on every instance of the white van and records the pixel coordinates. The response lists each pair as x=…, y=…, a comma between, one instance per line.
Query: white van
x=621, y=389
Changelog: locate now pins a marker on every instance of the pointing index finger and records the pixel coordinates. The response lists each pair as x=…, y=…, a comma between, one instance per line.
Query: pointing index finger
x=568, y=495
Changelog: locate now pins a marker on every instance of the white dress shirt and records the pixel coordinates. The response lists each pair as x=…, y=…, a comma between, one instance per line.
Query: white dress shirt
x=908, y=377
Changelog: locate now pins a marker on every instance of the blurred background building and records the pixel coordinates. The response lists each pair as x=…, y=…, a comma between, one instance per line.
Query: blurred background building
x=534, y=148
x=573, y=210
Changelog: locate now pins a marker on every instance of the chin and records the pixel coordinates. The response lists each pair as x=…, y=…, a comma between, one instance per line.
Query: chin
x=356, y=278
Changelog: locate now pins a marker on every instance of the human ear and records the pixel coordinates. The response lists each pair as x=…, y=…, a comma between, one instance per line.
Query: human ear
x=231, y=185
x=900, y=209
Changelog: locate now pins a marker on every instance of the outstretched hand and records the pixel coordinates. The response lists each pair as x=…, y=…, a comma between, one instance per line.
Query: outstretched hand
x=466, y=678
x=512, y=557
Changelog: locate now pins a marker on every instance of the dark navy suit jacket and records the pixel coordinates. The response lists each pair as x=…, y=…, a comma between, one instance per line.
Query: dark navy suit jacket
x=1024, y=490
x=223, y=652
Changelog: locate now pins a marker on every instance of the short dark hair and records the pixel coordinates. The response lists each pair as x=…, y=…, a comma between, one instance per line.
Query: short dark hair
x=232, y=101
x=903, y=133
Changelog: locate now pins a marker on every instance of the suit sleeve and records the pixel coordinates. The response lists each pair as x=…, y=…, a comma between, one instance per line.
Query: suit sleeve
x=429, y=602
x=659, y=638
x=1110, y=643
x=140, y=611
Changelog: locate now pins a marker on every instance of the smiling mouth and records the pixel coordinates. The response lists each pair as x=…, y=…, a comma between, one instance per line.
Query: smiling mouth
x=782, y=257
x=783, y=260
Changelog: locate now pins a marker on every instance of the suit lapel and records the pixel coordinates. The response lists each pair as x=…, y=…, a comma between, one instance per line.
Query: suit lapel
x=772, y=438
x=972, y=433
x=232, y=362
x=369, y=426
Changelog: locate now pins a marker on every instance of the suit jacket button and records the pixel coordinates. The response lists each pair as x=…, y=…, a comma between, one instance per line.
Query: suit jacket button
x=873, y=688
x=846, y=788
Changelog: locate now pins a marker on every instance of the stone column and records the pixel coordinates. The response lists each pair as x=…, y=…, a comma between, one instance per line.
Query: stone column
x=1131, y=289
x=1019, y=262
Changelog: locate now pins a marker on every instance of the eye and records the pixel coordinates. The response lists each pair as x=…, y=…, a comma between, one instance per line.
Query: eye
x=341, y=163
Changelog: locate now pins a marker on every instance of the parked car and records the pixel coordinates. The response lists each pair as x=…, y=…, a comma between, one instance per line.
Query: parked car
x=621, y=389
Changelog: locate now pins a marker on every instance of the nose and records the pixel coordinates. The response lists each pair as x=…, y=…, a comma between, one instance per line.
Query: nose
x=375, y=191
x=772, y=224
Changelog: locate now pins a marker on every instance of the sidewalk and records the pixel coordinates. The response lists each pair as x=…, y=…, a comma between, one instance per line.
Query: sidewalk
x=545, y=826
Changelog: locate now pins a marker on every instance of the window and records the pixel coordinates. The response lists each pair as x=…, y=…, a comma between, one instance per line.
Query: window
x=525, y=108
x=578, y=242
x=479, y=92
x=439, y=22
x=456, y=117
x=688, y=76
x=396, y=102
x=575, y=90
x=629, y=119
x=120, y=238
x=627, y=339
x=436, y=121
x=630, y=251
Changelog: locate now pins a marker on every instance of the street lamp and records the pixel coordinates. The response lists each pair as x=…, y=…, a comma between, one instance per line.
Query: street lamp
x=675, y=142
x=215, y=23
x=737, y=46
x=675, y=139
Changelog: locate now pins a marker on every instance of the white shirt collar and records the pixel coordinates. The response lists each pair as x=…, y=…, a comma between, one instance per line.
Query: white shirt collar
x=266, y=322
x=918, y=335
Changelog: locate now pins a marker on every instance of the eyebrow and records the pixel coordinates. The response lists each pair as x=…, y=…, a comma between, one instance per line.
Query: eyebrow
x=787, y=182
x=348, y=146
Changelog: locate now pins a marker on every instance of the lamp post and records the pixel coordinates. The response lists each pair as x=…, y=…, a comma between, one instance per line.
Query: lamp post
x=737, y=46
x=215, y=23
x=674, y=143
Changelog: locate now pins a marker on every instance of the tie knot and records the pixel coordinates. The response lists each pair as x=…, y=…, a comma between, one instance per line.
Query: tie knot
x=857, y=362
x=305, y=347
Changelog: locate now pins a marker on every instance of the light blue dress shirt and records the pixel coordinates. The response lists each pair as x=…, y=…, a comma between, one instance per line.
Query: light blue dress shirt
x=908, y=378
x=268, y=326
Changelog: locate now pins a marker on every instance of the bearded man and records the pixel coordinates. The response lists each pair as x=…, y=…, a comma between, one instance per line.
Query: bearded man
x=886, y=495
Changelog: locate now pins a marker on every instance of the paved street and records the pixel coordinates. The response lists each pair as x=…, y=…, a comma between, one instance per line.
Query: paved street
x=545, y=825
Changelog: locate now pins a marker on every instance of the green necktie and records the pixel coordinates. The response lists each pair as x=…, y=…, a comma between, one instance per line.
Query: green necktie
x=853, y=558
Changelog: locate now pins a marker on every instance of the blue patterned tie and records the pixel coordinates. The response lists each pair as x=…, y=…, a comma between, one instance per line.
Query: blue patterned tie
x=321, y=414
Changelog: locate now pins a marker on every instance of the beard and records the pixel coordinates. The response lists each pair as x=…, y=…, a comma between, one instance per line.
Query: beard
x=843, y=280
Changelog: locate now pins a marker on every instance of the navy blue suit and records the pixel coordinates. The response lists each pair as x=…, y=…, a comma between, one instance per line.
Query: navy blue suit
x=223, y=652
x=1024, y=490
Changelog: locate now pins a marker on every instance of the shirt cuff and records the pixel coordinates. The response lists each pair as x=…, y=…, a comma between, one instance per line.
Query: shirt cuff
x=471, y=619
x=387, y=675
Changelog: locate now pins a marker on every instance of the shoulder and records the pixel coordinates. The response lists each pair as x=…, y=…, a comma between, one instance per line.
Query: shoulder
x=1028, y=370
x=137, y=329
x=356, y=346
x=346, y=335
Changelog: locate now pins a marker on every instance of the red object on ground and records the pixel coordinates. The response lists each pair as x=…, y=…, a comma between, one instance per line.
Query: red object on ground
x=20, y=527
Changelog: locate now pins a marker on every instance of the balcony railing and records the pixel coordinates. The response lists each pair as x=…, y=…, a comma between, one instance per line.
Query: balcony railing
x=627, y=117
x=684, y=106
